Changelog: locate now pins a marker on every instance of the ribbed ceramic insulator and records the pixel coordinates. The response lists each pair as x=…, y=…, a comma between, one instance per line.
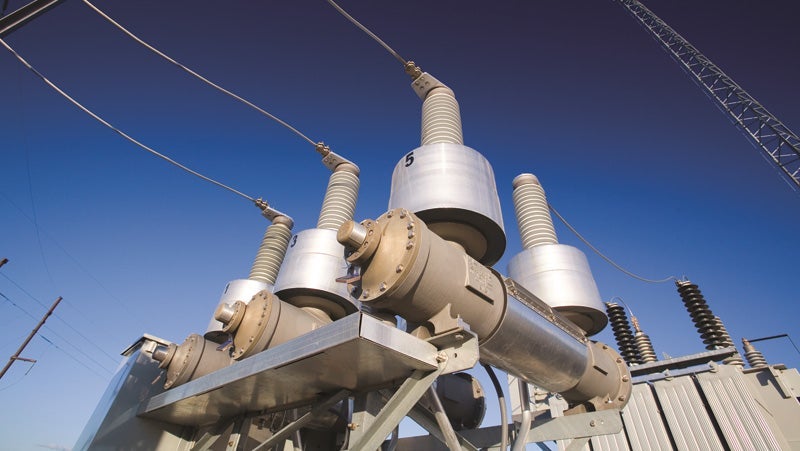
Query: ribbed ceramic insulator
x=270, y=254
x=645, y=347
x=339, y=204
x=754, y=357
x=441, y=118
x=533, y=215
x=622, y=333
x=725, y=341
x=701, y=315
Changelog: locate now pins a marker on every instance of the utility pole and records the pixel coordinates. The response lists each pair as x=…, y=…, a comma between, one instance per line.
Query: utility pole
x=16, y=356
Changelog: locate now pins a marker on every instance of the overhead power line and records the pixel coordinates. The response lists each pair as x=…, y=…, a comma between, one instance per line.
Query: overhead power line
x=111, y=294
x=65, y=322
x=197, y=75
x=368, y=32
x=120, y=132
x=611, y=262
x=109, y=372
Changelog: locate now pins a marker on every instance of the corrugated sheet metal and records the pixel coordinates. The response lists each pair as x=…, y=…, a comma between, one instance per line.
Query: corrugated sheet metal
x=739, y=416
x=643, y=423
x=610, y=442
x=687, y=418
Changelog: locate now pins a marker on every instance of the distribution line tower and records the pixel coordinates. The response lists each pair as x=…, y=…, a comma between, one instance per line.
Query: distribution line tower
x=777, y=143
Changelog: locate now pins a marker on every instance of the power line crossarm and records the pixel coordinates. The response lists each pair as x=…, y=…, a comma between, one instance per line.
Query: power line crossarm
x=16, y=357
x=777, y=143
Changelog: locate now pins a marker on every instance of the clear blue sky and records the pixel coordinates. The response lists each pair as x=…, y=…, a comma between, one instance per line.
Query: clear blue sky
x=626, y=146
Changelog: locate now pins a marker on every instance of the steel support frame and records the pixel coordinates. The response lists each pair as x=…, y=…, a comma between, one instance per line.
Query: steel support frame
x=777, y=143
x=427, y=421
x=578, y=427
x=288, y=430
x=394, y=411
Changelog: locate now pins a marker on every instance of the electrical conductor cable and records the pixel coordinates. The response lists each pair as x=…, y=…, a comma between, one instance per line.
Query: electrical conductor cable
x=120, y=132
x=608, y=260
x=367, y=31
x=196, y=75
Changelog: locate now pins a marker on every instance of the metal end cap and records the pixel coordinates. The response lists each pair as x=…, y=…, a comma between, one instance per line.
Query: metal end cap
x=164, y=354
x=362, y=239
x=230, y=315
x=525, y=179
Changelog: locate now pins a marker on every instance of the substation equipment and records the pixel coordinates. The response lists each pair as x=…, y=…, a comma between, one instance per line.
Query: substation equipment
x=342, y=331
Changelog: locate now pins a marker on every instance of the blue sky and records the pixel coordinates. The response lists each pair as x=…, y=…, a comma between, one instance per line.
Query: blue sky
x=628, y=149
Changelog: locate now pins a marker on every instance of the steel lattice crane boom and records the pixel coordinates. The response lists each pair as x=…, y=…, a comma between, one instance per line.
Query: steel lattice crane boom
x=770, y=135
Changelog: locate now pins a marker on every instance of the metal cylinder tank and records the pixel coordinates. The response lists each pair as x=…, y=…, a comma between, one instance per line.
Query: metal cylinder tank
x=411, y=271
x=315, y=260
x=195, y=357
x=556, y=273
x=264, y=322
x=236, y=290
x=449, y=185
x=308, y=277
x=559, y=275
x=452, y=188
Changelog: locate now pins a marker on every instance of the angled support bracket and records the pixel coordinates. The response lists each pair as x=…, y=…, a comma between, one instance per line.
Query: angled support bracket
x=289, y=429
x=208, y=439
x=394, y=411
x=427, y=421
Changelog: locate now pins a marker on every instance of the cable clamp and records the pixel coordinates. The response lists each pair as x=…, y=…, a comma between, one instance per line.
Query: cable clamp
x=426, y=83
x=261, y=204
x=413, y=70
x=330, y=158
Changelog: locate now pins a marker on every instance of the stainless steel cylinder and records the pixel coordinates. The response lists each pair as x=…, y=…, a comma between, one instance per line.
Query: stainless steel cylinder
x=527, y=345
x=559, y=275
x=236, y=290
x=263, y=323
x=308, y=276
x=195, y=357
x=408, y=270
x=452, y=188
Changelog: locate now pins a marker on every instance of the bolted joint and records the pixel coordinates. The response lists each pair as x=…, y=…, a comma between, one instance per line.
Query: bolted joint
x=413, y=70
x=322, y=149
x=230, y=315
x=164, y=354
x=362, y=239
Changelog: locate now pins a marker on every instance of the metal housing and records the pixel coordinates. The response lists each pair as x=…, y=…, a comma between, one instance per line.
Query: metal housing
x=308, y=275
x=410, y=271
x=236, y=290
x=195, y=357
x=452, y=188
x=560, y=275
x=265, y=322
